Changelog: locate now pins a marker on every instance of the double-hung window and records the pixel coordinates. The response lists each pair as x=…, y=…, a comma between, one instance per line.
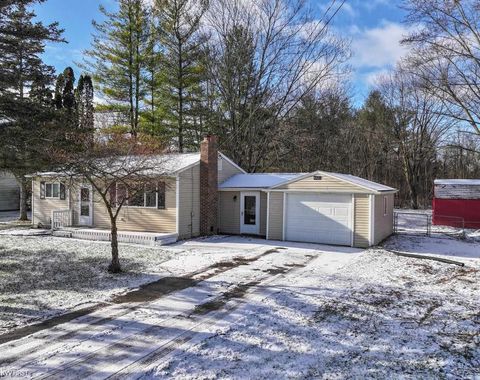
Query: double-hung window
x=52, y=190
x=151, y=196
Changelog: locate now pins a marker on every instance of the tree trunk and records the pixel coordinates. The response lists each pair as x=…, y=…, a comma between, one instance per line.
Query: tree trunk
x=23, y=198
x=114, y=266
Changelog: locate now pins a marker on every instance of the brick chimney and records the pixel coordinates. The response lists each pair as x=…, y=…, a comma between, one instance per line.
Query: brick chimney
x=208, y=185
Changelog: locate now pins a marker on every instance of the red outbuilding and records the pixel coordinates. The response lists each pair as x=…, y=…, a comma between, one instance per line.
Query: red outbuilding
x=456, y=203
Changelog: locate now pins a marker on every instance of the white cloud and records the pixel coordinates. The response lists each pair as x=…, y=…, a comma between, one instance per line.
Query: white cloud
x=348, y=9
x=372, y=4
x=373, y=77
x=378, y=47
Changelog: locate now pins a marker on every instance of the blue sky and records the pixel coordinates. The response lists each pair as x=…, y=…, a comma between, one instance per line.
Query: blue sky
x=374, y=27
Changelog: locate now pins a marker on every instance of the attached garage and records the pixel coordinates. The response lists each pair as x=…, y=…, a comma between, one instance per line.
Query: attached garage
x=319, y=207
x=319, y=218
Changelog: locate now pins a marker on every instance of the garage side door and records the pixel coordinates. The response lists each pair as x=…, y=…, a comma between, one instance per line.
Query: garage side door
x=319, y=218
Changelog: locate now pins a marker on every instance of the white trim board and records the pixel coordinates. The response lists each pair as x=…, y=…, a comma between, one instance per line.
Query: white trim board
x=284, y=218
x=250, y=228
x=177, y=204
x=268, y=216
x=353, y=219
x=371, y=218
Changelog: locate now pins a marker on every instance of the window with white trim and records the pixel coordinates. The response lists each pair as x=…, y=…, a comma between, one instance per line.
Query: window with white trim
x=52, y=190
x=385, y=206
x=152, y=196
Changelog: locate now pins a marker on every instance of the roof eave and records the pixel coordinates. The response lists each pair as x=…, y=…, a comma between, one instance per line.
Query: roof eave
x=243, y=188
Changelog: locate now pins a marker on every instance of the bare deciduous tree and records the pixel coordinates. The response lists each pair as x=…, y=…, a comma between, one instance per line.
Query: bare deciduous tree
x=446, y=54
x=119, y=170
x=419, y=125
x=266, y=56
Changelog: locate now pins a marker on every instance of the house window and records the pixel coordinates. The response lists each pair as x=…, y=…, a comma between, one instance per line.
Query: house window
x=52, y=190
x=385, y=206
x=152, y=196
x=161, y=196
x=137, y=199
x=121, y=194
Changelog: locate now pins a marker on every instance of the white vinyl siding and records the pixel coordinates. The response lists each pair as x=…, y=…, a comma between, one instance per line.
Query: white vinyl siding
x=226, y=170
x=189, y=203
x=326, y=184
x=275, y=216
x=42, y=208
x=362, y=221
x=229, y=212
x=383, y=222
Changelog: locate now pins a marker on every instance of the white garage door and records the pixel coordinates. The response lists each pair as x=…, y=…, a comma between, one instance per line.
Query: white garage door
x=319, y=218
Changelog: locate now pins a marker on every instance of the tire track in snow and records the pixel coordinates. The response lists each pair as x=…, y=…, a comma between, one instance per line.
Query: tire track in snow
x=19, y=347
x=121, y=347
x=123, y=358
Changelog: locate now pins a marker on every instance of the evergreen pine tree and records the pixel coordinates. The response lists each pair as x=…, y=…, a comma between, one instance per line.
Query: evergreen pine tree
x=25, y=106
x=85, y=107
x=181, y=67
x=117, y=59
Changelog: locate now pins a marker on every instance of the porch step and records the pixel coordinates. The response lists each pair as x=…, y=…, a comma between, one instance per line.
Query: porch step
x=142, y=238
x=62, y=233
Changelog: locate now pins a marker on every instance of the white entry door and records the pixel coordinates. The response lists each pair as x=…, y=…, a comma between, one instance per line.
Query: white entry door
x=86, y=206
x=250, y=213
x=319, y=218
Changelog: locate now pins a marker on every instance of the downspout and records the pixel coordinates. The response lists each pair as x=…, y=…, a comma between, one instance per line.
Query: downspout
x=191, y=203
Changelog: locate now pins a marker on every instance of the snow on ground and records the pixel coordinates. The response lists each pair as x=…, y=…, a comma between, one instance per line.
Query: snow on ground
x=43, y=276
x=416, y=221
x=302, y=311
x=380, y=316
x=9, y=219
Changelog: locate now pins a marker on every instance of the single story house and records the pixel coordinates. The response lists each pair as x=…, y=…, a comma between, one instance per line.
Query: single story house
x=207, y=193
x=456, y=203
x=9, y=192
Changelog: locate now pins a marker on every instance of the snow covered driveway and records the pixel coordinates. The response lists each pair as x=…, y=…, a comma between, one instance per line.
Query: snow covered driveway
x=275, y=310
x=135, y=333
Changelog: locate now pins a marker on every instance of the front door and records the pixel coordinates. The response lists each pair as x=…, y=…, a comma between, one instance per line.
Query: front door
x=86, y=206
x=250, y=213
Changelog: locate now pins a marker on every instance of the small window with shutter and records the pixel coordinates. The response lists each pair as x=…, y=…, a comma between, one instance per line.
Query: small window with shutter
x=161, y=196
x=62, y=192
x=52, y=190
x=42, y=190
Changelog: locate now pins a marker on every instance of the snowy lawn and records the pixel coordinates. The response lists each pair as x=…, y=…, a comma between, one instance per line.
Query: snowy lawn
x=43, y=276
x=301, y=311
x=381, y=316
x=9, y=219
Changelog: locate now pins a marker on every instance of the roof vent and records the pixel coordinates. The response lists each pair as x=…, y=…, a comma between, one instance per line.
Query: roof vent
x=317, y=177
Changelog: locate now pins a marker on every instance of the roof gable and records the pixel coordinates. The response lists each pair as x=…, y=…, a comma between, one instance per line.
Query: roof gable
x=334, y=182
